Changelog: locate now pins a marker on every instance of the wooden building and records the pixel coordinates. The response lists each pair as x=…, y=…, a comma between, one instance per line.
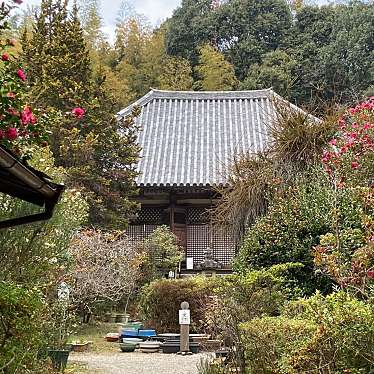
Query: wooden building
x=187, y=141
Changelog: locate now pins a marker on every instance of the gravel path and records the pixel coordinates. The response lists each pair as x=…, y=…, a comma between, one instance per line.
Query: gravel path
x=138, y=363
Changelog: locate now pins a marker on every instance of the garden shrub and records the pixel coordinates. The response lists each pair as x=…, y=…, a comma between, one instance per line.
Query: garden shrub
x=161, y=253
x=268, y=340
x=21, y=327
x=160, y=301
x=244, y=297
x=295, y=220
x=346, y=253
x=322, y=334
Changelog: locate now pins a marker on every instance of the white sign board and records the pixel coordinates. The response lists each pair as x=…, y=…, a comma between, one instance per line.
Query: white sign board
x=63, y=292
x=184, y=317
x=189, y=263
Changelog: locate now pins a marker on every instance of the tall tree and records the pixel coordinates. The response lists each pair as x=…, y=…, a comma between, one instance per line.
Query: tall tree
x=176, y=74
x=243, y=29
x=214, y=72
x=98, y=151
x=191, y=25
x=92, y=23
x=277, y=70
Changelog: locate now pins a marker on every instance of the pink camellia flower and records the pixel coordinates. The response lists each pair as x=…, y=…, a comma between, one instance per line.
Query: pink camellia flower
x=19, y=2
x=27, y=116
x=78, y=112
x=355, y=165
x=5, y=56
x=332, y=142
x=370, y=274
x=11, y=95
x=12, y=133
x=21, y=74
x=12, y=112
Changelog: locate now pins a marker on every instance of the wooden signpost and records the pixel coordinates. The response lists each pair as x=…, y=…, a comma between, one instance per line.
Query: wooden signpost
x=184, y=322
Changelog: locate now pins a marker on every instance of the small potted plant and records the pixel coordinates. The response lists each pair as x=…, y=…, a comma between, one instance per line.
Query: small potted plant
x=81, y=345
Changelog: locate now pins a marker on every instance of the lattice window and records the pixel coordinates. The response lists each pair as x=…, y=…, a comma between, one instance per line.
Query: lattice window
x=224, y=246
x=137, y=233
x=150, y=215
x=200, y=237
x=197, y=215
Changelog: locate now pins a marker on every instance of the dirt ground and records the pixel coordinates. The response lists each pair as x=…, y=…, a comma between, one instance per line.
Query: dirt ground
x=136, y=363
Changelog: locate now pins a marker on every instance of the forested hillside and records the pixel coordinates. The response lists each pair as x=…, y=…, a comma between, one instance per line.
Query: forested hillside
x=309, y=54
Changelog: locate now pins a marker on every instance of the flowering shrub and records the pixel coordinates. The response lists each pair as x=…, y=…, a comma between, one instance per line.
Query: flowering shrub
x=347, y=254
x=20, y=125
x=350, y=156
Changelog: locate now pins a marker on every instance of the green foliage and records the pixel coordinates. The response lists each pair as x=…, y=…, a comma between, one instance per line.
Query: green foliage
x=35, y=254
x=161, y=300
x=57, y=59
x=347, y=252
x=244, y=297
x=268, y=339
x=33, y=259
x=20, y=128
x=159, y=254
x=163, y=251
x=292, y=227
x=249, y=29
x=213, y=71
x=176, y=75
x=331, y=334
x=98, y=151
x=276, y=71
x=306, y=52
x=21, y=327
x=190, y=27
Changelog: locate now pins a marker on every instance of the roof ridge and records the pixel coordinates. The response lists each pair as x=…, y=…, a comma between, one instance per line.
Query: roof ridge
x=195, y=95
x=211, y=92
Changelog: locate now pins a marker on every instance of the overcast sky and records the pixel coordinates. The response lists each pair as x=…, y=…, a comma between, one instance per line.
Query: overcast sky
x=154, y=10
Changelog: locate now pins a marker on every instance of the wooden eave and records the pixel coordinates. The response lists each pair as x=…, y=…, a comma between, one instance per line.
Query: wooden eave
x=19, y=180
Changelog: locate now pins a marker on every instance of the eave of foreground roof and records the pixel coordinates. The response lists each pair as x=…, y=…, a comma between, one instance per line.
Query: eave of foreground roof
x=22, y=181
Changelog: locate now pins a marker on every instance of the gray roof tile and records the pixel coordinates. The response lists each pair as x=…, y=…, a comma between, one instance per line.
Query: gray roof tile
x=188, y=138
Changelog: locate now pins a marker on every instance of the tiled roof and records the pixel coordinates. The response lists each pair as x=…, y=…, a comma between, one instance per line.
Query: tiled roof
x=188, y=138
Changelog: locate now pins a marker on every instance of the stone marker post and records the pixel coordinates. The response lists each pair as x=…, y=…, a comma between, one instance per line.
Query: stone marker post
x=184, y=321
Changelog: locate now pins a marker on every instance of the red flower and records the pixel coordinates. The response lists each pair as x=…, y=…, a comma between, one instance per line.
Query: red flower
x=12, y=133
x=11, y=95
x=370, y=274
x=27, y=116
x=12, y=112
x=332, y=142
x=21, y=74
x=78, y=112
x=5, y=57
x=355, y=165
